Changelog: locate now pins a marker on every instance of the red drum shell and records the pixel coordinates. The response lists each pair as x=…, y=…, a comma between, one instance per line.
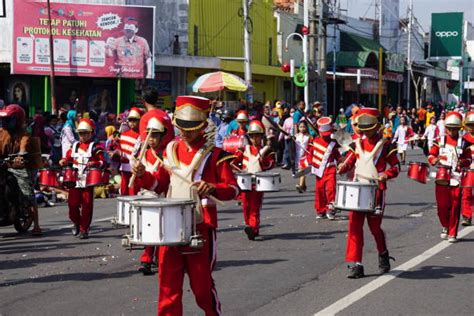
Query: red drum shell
x=443, y=175
x=467, y=180
x=48, y=177
x=233, y=143
x=418, y=171
x=69, y=177
x=94, y=177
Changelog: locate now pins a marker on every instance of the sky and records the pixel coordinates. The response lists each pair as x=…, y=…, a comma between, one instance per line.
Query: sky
x=422, y=9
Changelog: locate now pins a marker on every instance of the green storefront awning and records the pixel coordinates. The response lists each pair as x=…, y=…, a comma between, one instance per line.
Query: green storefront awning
x=352, y=59
x=354, y=43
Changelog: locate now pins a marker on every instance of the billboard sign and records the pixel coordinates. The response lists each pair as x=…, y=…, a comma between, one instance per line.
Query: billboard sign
x=88, y=40
x=446, y=35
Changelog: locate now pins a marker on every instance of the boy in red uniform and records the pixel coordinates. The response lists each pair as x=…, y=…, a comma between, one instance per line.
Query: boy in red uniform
x=151, y=172
x=450, y=151
x=128, y=139
x=255, y=158
x=242, y=119
x=466, y=200
x=83, y=154
x=323, y=157
x=370, y=154
x=207, y=172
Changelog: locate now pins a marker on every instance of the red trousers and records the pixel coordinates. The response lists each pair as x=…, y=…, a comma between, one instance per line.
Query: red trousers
x=325, y=191
x=124, y=189
x=81, y=204
x=173, y=263
x=251, y=205
x=149, y=254
x=355, y=237
x=466, y=203
x=449, y=207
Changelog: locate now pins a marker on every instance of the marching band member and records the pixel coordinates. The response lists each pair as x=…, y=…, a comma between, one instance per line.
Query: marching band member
x=255, y=158
x=370, y=154
x=151, y=172
x=82, y=155
x=466, y=200
x=242, y=119
x=207, y=172
x=323, y=158
x=128, y=140
x=451, y=151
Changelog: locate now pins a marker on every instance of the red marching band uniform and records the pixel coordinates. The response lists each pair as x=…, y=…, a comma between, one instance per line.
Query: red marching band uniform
x=83, y=155
x=382, y=153
x=198, y=161
x=253, y=159
x=450, y=151
x=467, y=204
x=323, y=154
x=128, y=140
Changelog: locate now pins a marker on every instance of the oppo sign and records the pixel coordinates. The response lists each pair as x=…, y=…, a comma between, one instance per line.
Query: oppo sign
x=447, y=34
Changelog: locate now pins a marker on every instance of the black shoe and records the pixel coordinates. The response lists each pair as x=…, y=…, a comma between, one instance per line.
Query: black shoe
x=83, y=235
x=250, y=233
x=466, y=221
x=75, y=230
x=356, y=271
x=384, y=262
x=145, y=269
x=299, y=189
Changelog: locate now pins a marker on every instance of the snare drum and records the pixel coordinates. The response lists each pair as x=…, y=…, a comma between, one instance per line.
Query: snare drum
x=267, y=181
x=355, y=196
x=467, y=180
x=161, y=222
x=123, y=207
x=94, y=177
x=244, y=179
x=443, y=175
x=233, y=143
x=48, y=177
x=418, y=171
x=69, y=177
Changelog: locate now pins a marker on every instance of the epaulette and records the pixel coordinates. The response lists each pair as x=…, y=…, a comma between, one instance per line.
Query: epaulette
x=391, y=148
x=223, y=156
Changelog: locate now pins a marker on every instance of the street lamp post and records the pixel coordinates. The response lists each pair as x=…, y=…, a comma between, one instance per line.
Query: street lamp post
x=305, y=61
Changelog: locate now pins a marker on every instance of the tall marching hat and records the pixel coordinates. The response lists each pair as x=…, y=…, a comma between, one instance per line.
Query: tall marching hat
x=135, y=113
x=469, y=121
x=256, y=127
x=155, y=125
x=242, y=116
x=85, y=125
x=367, y=119
x=324, y=126
x=453, y=119
x=191, y=112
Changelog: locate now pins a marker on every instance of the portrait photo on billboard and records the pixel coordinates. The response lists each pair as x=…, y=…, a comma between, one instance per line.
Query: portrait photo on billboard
x=18, y=92
x=89, y=40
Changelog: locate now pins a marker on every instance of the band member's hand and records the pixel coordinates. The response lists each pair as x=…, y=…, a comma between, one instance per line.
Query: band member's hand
x=18, y=162
x=340, y=167
x=435, y=161
x=62, y=162
x=138, y=169
x=383, y=178
x=204, y=188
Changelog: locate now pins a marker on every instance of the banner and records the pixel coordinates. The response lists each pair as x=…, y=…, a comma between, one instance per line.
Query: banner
x=446, y=35
x=88, y=40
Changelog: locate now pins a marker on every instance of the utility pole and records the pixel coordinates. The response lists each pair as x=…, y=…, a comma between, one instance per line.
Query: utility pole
x=312, y=53
x=322, y=84
x=410, y=17
x=51, y=62
x=305, y=52
x=247, y=51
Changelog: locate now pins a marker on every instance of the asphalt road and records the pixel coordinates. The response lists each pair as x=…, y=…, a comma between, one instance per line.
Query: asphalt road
x=296, y=268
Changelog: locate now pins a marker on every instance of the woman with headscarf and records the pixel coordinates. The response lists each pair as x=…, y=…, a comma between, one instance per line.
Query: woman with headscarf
x=68, y=133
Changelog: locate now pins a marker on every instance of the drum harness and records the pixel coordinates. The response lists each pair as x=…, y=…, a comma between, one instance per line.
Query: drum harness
x=81, y=164
x=452, y=154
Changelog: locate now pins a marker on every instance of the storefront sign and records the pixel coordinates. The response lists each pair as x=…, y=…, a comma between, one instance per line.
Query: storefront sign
x=88, y=40
x=446, y=34
x=373, y=74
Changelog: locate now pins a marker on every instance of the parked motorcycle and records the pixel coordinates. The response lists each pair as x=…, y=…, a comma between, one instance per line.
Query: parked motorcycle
x=13, y=210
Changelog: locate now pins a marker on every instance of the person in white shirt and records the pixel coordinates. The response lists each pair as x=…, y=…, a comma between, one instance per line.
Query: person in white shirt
x=440, y=124
x=431, y=132
x=402, y=136
x=301, y=142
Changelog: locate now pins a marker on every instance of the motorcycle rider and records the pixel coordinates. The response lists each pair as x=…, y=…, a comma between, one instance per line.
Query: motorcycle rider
x=14, y=141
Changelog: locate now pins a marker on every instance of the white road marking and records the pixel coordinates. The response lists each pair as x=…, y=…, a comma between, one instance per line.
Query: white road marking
x=353, y=297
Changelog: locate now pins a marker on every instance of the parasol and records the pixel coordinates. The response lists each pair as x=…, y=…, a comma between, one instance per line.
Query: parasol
x=217, y=81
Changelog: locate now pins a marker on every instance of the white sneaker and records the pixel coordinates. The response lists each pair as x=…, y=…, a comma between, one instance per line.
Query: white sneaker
x=331, y=216
x=452, y=239
x=444, y=233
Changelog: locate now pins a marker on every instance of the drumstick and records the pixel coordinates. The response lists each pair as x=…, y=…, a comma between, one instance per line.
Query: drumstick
x=140, y=157
x=213, y=198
